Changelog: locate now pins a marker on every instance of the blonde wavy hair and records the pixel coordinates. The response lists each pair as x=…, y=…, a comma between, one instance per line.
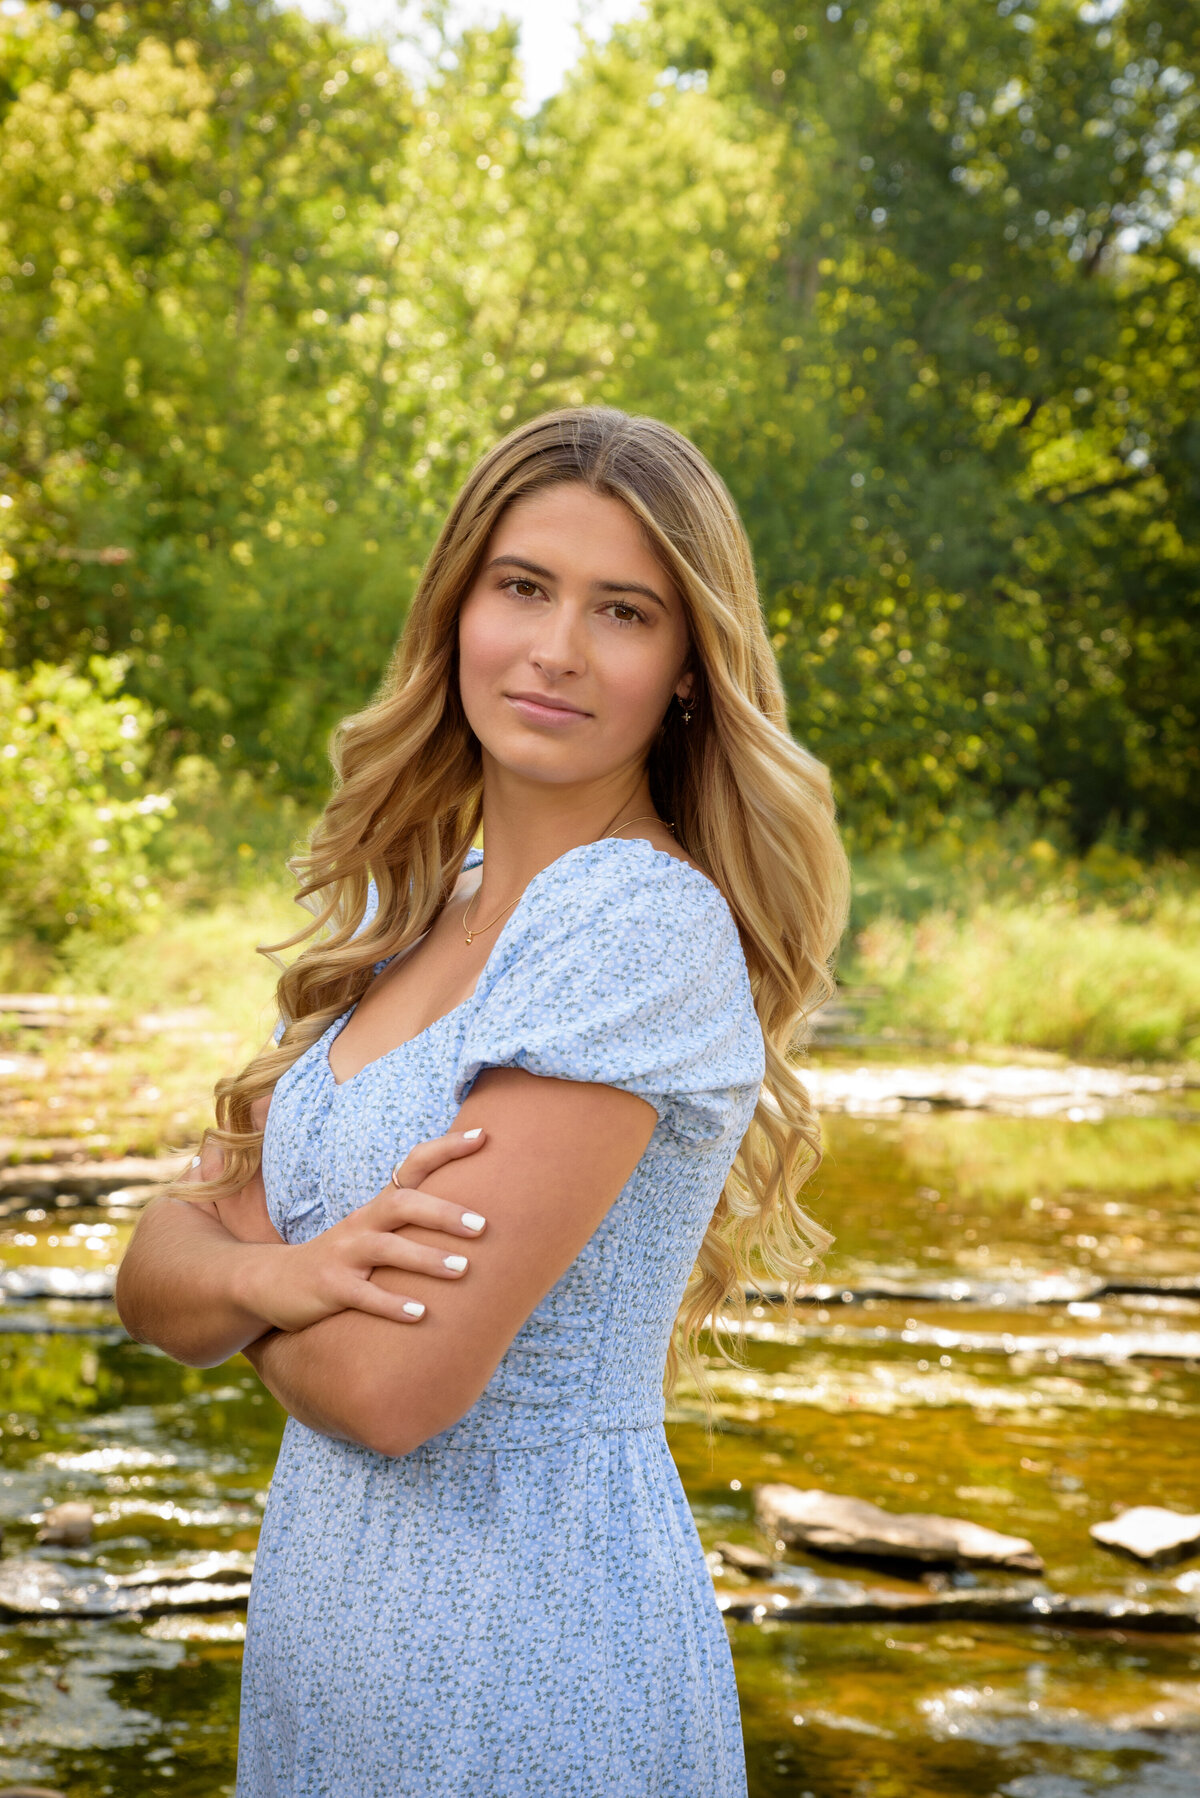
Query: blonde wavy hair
x=750, y=806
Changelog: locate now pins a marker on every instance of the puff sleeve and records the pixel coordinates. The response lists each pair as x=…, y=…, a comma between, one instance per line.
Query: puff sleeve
x=622, y=965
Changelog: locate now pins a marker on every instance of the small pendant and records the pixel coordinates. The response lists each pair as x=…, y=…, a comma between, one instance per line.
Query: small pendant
x=470, y=938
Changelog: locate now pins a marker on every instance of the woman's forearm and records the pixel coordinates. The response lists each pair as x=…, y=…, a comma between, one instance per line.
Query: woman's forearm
x=204, y=1280
x=186, y=1284
x=311, y=1388
x=356, y=1377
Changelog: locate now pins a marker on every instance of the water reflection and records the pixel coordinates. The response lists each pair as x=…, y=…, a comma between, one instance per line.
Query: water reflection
x=1053, y=1382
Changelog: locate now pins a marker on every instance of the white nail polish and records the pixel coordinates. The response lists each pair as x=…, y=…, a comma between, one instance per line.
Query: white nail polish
x=195, y=1161
x=457, y=1262
x=470, y=1135
x=472, y=1220
x=413, y=1308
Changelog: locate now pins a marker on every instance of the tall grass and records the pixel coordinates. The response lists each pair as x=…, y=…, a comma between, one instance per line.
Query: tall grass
x=189, y=1001
x=1009, y=938
x=998, y=935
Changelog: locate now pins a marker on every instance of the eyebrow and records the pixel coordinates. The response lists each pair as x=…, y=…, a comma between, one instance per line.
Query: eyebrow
x=602, y=586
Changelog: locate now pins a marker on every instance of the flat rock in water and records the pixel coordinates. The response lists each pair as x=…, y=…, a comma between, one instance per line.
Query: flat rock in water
x=69, y=1525
x=1111, y=1347
x=832, y=1523
x=1076, y=1090
x=1038, y=1289
x=45, y=1589
x=80, y=1182
x=1150, y=1532
x=746, y=1560
x=56, y=1283
x=865, y=1604
x=990, y=1294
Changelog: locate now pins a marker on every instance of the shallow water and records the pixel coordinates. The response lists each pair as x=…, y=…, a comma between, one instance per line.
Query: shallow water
x=1035, y=1418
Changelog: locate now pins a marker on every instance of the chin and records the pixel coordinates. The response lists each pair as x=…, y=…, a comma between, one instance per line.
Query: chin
x=532, y=758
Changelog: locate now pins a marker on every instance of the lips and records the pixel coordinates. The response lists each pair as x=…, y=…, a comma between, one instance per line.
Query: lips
x=545, y=704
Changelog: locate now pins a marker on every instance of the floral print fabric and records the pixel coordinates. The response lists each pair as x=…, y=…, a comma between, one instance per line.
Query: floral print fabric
x=520, y=1608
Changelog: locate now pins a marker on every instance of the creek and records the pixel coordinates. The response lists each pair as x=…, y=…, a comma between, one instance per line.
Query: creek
x=1007, y=1331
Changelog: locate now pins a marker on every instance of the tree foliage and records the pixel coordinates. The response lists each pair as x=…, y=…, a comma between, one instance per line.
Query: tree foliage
x=918, y=275
x=76, y=817
x=976, y=493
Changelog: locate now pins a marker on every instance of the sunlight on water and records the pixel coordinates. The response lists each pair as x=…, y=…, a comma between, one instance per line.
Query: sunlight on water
x=1008, y=1331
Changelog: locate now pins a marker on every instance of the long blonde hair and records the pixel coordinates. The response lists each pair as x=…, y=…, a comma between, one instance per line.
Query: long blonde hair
x=750, y=806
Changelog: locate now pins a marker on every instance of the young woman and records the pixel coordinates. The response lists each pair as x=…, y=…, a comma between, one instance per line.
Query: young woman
x=529, y=1120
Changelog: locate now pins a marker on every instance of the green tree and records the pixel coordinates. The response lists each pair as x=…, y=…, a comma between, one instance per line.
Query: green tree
x=76, y=816
x=920, y=278
x=977, y=351
x=242, y=300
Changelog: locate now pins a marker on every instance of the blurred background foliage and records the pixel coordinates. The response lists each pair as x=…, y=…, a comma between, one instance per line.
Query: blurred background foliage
x=76, y=817
x=920, y=276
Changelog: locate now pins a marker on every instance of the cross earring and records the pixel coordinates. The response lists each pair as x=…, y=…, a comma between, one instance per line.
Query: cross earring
x=685, y=706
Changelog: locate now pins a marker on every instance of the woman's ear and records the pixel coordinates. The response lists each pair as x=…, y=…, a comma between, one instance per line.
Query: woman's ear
x=685, y=687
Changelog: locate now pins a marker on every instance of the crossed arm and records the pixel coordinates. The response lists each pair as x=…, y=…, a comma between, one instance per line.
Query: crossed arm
x=553, y=1157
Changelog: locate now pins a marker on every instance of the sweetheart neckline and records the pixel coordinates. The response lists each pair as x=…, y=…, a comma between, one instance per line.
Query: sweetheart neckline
x=339, y=1024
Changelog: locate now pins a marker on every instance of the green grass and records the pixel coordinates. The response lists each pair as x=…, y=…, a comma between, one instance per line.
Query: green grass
x=190, y=956
x=1092, y=985
x=1013, y=940
x=190, y=1000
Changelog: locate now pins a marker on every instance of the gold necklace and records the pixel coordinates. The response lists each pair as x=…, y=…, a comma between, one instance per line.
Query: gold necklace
x=470, y=935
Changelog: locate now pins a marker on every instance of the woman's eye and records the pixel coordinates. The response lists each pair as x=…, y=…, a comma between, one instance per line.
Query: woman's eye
x=620, y=610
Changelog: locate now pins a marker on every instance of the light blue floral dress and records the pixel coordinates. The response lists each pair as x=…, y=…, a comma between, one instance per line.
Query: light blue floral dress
x=520, y=1608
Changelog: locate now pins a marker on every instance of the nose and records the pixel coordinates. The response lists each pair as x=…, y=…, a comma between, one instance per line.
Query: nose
x=557, y=649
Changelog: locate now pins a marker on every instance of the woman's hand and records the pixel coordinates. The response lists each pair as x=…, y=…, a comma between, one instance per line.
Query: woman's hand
x=295, y=1285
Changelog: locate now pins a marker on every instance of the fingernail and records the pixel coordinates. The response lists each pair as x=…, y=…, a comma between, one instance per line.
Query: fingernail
x=470, y=1135
x=473, y=1221
x=195, y=1161
x=413, y=1307
x=457, y=1262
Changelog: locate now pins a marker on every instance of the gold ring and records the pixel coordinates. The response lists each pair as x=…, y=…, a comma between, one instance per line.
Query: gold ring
x=396, y=1182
